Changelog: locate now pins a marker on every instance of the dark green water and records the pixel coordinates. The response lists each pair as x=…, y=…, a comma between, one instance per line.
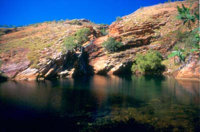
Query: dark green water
x=101, y=103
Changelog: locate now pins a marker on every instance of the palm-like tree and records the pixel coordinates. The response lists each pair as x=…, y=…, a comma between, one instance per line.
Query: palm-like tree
x=185, y=16
x=179, y=54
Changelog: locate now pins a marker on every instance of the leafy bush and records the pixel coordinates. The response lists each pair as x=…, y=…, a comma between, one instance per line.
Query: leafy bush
x=104, y=32
x=150, y=63
x=112, y=45
x=82, y=35
x=192, y=39
x=70, y=43
x=188, y=39
x=76, y=40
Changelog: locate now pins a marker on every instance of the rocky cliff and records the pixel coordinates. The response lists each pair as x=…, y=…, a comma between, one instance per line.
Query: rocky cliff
x=36, y=51
x=148, y=28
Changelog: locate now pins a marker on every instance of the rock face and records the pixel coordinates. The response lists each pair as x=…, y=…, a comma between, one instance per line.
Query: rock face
x=147, y=28
x=34, y=52
x=11, y=70
x=138, y=32
x=190, y=71
x=66, y=65
x=146, y=25
x=14, y=63
x=28, y=74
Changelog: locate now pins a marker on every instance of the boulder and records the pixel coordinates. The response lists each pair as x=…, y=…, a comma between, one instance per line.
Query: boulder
x=12, y=69
x=28, y=74
x=190, y=71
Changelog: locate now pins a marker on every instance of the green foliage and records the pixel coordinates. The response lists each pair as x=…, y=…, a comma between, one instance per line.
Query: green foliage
x=103, y=29
x=82, y=35
x=188, y=39
x=70, y=43
x=179, y=53
x=104, y=32
x=119, y=18
x=150, y=63
x=76, y=40
x=112, y=45
x=196, y=46
x=185, y=16
x=197, y=40
x=196, y=15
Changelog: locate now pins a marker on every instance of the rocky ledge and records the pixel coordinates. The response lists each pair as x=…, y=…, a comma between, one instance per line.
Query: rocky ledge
x=190, y=71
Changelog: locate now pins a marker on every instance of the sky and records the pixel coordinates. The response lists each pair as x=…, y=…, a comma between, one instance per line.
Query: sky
x=24, y=12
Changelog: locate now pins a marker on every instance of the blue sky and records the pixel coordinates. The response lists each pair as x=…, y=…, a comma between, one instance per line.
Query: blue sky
x=24, y=12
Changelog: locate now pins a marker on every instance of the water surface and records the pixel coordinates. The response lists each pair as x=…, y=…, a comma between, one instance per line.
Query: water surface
x=101, y=103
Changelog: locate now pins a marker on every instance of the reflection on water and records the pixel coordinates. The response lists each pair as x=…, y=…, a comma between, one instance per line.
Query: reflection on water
x=90, y=104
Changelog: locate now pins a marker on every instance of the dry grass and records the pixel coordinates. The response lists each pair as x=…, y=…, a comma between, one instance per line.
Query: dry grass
x=152, y=14
x=41, y=40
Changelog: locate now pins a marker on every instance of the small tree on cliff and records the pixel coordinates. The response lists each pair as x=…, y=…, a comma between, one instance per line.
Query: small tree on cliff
x=111, y=45
x=76, y=40
x=70, y=43
x=149, y=63
x=82, y=35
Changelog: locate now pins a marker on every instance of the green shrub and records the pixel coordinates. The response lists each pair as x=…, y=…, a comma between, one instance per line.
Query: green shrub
x=150, y=63
x=104, y=32
x=82, y=35
x=112, y=45
x=76, y=40
x=192, y=40
x=70, y=43
x=188, y=39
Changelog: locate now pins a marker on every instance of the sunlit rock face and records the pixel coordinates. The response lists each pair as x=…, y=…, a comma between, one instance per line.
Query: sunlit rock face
x=191, y=70
x=36, y=51
x=146, y=29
